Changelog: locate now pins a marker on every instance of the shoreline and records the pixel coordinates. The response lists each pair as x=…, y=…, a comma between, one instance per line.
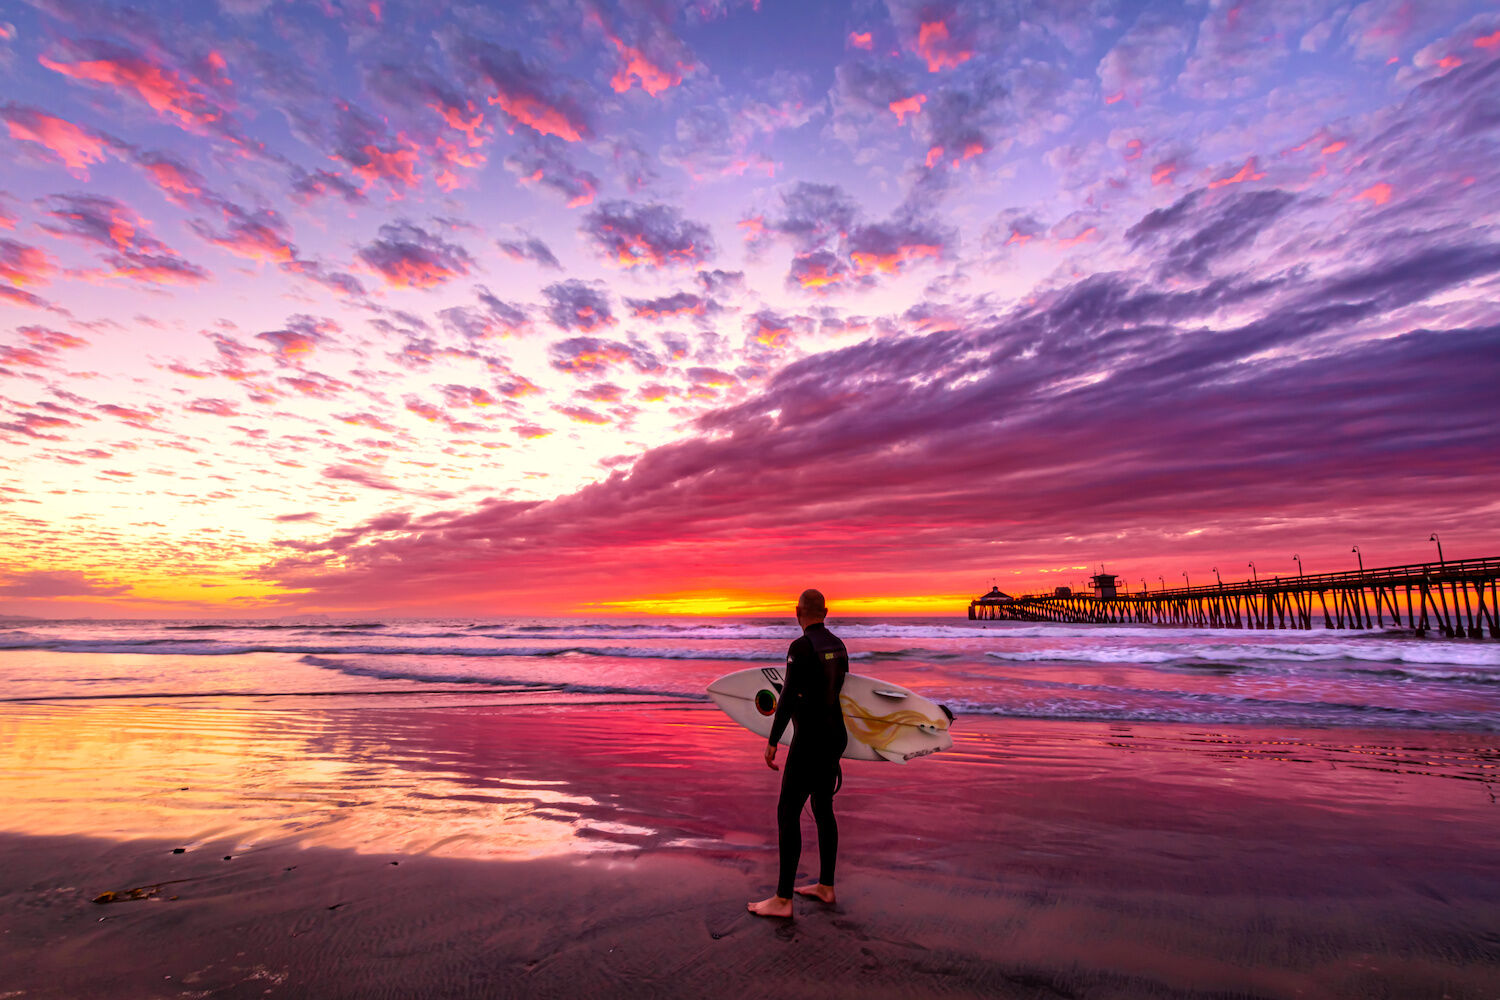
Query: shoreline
x=1033, y=859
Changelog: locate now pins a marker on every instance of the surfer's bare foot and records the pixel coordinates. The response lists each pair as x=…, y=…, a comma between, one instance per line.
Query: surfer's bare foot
x=818, y=891
x=776, y=906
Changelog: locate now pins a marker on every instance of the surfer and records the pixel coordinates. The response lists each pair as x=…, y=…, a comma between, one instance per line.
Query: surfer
x=815, y=667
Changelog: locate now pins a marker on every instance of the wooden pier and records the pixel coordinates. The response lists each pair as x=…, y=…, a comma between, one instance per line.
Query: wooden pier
x=1455, y=599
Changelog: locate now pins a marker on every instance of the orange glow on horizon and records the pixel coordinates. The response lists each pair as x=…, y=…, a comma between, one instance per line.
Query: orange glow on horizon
x=733, y=603
x=228, y=592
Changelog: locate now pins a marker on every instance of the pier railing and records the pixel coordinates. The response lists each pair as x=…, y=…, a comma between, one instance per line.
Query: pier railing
x=1455, y=598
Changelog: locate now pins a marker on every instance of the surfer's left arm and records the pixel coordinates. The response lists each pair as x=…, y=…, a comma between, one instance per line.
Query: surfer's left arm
x=791, y=690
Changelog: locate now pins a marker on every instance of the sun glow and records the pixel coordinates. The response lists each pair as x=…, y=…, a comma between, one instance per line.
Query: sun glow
x=726, y=603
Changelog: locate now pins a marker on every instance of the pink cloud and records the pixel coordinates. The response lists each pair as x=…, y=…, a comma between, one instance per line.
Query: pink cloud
x=172, y=94
x=77, y=147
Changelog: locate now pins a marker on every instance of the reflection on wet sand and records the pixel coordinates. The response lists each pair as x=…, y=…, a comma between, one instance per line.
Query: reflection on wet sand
x=1080, y=801
x=335, y=779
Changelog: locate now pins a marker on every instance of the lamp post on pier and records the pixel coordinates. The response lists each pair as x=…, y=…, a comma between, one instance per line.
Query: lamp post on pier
x=1299, y=564
x=1163, y=582
x=1186, y=580
x=1434, y=538
x=1253, y=577
x=1361, y=556
x=1220, y=578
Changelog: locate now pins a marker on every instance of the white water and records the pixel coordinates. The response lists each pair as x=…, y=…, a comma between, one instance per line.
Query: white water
x=1052, y=671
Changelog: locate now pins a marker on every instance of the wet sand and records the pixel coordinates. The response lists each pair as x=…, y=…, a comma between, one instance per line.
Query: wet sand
x=515, y=850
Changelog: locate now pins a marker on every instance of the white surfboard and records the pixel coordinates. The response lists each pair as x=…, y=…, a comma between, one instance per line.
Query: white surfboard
x=885, y=721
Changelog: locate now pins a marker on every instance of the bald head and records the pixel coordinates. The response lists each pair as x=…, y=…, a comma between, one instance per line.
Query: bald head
x=811, y=607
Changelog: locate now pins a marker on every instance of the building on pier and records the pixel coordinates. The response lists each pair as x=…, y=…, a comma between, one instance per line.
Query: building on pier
x=1104, y=586
x=987, y=607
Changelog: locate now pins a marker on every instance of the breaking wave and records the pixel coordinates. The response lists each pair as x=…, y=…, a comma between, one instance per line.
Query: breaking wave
x=213, y=647
x=474, y=677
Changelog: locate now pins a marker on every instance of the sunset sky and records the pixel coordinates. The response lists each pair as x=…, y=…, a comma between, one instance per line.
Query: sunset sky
x=577, y=307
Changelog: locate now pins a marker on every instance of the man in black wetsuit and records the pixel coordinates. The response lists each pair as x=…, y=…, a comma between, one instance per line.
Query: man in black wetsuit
x=815, y=668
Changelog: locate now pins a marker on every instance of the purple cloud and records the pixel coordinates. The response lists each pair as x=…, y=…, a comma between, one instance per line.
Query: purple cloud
x=522, y=90
x=407, y=256
x=132, y=251
x=548, y=165
x=527, y=247
x=651, y=235
x=578, y=305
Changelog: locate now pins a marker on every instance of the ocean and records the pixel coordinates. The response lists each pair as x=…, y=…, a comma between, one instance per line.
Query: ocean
x=1372, y=679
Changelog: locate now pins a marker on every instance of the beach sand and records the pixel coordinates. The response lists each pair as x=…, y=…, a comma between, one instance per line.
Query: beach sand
x=507, y=849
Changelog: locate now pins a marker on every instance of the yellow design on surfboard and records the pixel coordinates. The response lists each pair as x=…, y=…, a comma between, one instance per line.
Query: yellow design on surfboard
x=877, y=731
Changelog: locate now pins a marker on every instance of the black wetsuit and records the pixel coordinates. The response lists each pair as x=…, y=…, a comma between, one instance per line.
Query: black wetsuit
x=815, y=669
